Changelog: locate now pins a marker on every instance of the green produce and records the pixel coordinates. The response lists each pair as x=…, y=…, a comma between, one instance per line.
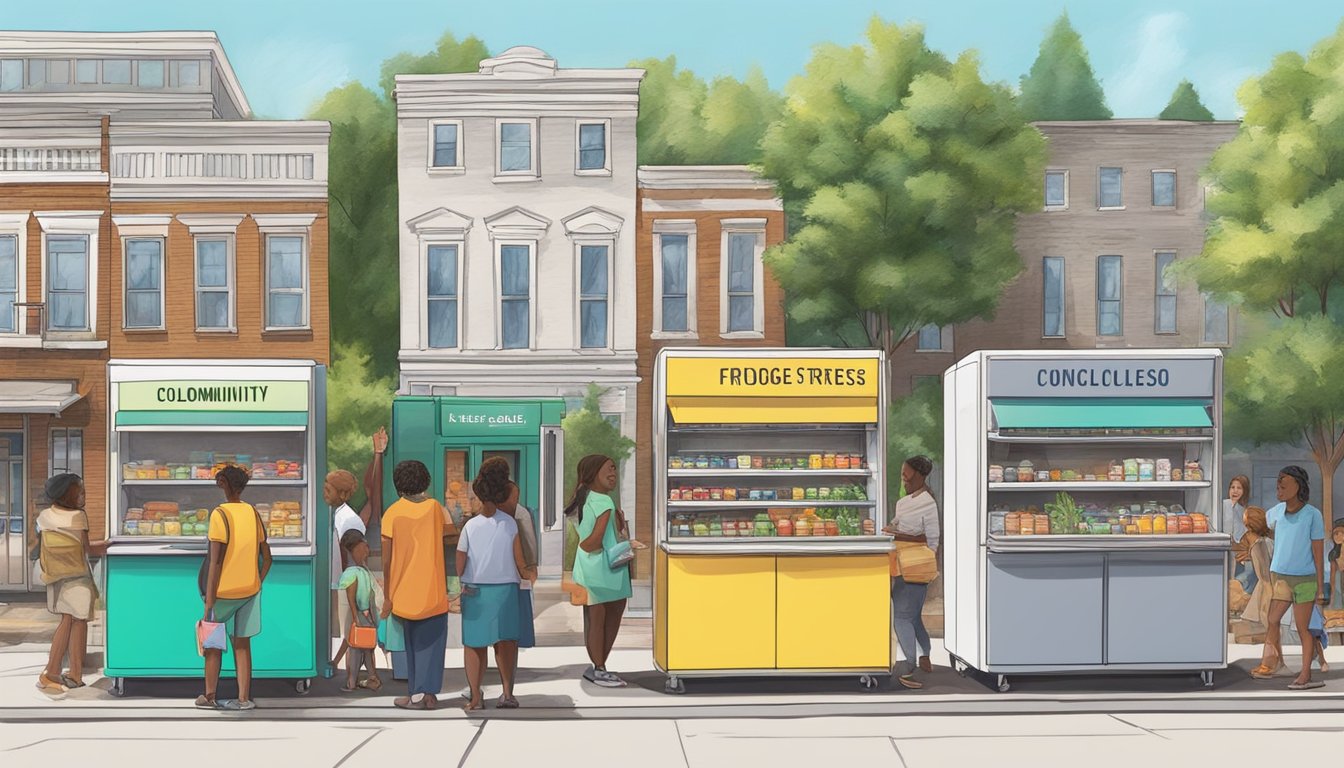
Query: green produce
x=1064, y=514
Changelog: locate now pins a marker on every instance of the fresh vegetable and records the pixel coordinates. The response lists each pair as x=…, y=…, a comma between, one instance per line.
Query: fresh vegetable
x=1064, y=514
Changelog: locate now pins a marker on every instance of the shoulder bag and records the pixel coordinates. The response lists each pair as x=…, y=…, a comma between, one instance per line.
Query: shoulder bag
x=620, y=554
x=363, y=636
x=914, y=562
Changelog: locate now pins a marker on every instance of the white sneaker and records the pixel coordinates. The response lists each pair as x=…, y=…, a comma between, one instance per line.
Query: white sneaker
x=608, y=680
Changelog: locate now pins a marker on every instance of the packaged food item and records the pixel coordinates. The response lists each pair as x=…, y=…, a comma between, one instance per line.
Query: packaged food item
x=716, y=462
x=869, y=527
x=1159, y=524
x=730, y=462
x=823, y=493
x=674, y=494
x=674, y=462
x=1193, y=471
x=1010, y=474
x=1162, y=472
x=996, y=473
x=1100, y=527
x=156, y=529
x=1187, y=524
x=1176, y=475
x=716, y=494
x=828, y=461
x=814, y=461
x=1131, y=470
x=172, y=528
x=998, y=522
x=1042, y=476
x=799, y=494
x=1199, y=523
x=1012, y=523
x=1116, y=472
x=730, y=494
x=832, y=528
x=1147, y=470
x=1145, y=525
x=1056, y=475
x=802, y=526
x=842, y=461
x=130, y=527
x=784, y=527
x=1026, y=471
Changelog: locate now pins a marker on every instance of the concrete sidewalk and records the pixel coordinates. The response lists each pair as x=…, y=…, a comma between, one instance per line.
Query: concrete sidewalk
x=550, y=687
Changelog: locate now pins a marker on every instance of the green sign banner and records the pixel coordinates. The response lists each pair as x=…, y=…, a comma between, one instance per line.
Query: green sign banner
x=514, y=418
x=270, y=396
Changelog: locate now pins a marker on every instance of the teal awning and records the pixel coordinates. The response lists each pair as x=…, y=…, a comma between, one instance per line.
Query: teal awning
x=212, y=418
x=1099, y=413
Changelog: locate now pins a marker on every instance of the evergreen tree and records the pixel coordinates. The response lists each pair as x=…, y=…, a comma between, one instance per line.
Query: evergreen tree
x=1061, y=84
x=1185, y=105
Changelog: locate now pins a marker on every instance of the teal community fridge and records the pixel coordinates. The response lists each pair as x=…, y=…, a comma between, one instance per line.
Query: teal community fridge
x=453, y=435
x=174, y=424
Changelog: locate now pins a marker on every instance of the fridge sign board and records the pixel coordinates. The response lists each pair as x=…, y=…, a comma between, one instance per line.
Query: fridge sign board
x=267, y=396
x=772, y=377
x=1081, y=377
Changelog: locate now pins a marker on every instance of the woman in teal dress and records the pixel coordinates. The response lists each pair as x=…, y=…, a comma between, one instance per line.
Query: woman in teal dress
x=600, y=525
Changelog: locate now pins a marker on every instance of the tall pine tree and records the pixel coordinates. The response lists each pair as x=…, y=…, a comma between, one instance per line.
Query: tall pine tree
x=1061, y=84
x=1185, y=105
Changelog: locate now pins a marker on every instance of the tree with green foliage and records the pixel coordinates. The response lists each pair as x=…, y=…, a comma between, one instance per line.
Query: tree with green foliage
x=362, y=233
x=1185, y=105
x=1061, y=84
x=587, y=431
x=910, y=172
x=1276, y=245
x=684, y=121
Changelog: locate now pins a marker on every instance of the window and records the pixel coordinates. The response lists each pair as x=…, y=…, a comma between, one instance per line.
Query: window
x=1217, y=328
x=9, y=283
x=517, y=148
x=1056, y=189
x=593, y=295
x=447, y=145
x=932, y=338
x=149, y=74
x=214, y=285
x=1052, y=320
x=742, y=276
x=515, y=296
x=593, y=147
x=1110, y=315
x=1108, y=192
x=442, y=296
x=188, y=73
x=11, y=74
x=286, y=282
x=58, y=71
x=117, y=71
x=86, y=71
x=1164, y=189
x=66, y=452
x=37, y=72
x=68, y=282
x=1165, y=301
x=674, y=253
x=144, y=283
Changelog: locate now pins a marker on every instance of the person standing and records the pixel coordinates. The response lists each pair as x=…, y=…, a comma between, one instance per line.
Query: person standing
x=1258, y=550
x=490, y=565
x=1233, y=523
x=361, y=595
x=914, y=519
x=413, y=532
x=608, y=589
x=527, y=534
x=239, y=560
x=63, y=530
x=337, y=491
x=1296, y=571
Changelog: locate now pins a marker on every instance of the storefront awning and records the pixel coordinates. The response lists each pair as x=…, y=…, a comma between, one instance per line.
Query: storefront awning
x=1099, y=413
x=44, y=397
x=773, y=410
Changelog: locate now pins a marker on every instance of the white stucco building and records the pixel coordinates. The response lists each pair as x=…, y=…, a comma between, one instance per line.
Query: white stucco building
x=517, y=196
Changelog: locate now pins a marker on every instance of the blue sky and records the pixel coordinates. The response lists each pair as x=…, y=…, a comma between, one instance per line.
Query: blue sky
x=289, y=52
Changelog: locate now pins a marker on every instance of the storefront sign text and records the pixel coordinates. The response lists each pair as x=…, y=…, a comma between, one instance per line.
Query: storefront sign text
x=1092, y=378
x=772, y=377
x=213, y=396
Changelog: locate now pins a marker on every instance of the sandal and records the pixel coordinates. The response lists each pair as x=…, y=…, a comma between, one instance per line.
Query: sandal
x=206, y=702
x=469, y=707
x=70, y=682
x=371, y=683
x=49, y=686
x=348, y=688
x=1307, y=686
x=910, y=682
x=405, y=702
x=506, y=702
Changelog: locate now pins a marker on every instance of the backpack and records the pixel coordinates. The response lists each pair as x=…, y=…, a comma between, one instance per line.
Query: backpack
x=203, y=576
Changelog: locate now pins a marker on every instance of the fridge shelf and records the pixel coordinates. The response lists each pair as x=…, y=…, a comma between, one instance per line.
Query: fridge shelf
x=811, y=504
x=1083, y=485
x=779, y=473
x=995, y=437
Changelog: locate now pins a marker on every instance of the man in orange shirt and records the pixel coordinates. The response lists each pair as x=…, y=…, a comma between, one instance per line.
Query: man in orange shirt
x=414, y=529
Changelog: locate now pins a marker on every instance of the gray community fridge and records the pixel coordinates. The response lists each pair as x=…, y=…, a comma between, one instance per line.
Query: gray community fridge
x=1082, y=493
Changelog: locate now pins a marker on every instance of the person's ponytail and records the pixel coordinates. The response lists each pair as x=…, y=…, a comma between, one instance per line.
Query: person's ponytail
x=585, y=474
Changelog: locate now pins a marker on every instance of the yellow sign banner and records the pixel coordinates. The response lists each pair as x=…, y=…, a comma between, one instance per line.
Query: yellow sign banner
x=772, y=377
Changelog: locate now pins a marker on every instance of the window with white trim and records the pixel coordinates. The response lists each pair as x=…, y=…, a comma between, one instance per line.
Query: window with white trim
x=515, y=295
x=593, y=152
x=516, y=145
x=742, y=277
x=286, y=282
x=442, y=295
x=1052, y=291
x=144, y=283
x=1217, y=322
x=594, y=295
x=9, y=283
x=445, y=139
x=65, y=451
x=1164, y=301
x=1109, y=188
x=1110, y=309
x=675, y=256
x=1056, y=190
x=214, y=284
x=68, y=283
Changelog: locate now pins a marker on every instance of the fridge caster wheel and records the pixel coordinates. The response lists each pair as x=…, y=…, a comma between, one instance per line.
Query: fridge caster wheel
x=961, y=667
x=118, y=687
x=1004, y=687
x=674, y=685
x=868, y=682
x=303, y=686
x=1206, y=677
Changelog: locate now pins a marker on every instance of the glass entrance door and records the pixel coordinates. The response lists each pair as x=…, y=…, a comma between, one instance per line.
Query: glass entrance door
x=14, y=565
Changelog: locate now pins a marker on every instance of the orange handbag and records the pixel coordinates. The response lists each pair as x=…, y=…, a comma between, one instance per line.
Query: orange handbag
x=363, y=638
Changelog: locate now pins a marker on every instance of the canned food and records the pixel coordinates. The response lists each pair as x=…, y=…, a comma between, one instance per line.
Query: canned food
x=828, y=461
x=674, y=494
x=814, y=461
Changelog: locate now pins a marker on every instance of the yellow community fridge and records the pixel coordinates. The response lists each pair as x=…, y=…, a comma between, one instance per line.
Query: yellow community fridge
x=769, y=489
